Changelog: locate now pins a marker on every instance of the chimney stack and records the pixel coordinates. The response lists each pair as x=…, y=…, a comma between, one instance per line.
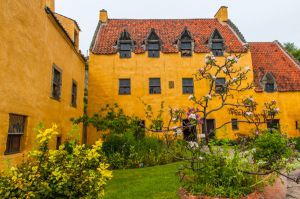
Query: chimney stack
x=222, y=14
x=103, y=17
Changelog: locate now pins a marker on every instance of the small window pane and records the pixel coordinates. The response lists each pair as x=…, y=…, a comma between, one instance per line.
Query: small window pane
x=234, y=123
x=187, y=86
x=56, y=84
x=154, y=86
x=153, y=53
x=220, y=82
x=217, y=46
x=269, y=87
x=273, y=124
x=125, y=54
x=153, y=46
x=74, y=94
x=15, y=131
x=125, y=46
x=186, y=45
x=124, y=86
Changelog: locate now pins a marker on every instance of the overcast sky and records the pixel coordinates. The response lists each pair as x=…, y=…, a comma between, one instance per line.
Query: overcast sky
x=258, y=20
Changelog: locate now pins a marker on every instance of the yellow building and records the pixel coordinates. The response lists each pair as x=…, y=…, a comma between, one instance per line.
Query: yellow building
x=153, y=60
x=42, y=74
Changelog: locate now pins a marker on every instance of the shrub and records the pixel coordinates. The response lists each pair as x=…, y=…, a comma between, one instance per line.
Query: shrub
x=78, y=172
x=297, y=143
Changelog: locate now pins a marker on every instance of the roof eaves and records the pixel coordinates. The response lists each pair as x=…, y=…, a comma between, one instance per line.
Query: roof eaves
x=236, y=30
x=77, y=25
x=287, y=53
x=95, y=36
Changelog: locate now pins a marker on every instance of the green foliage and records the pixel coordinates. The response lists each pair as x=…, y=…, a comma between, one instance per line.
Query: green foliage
x=156, y=121
x=219, y=174
x=78, y=172
x=113, y=119
x=124, y=151
x=297, y=143
x=292, y=49
x=272, y=150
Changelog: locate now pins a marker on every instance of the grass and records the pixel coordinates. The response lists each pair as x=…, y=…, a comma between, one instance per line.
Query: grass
x=152, y=182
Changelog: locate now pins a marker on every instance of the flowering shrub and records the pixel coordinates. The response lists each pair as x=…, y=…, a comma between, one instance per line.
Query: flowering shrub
x=77, y=173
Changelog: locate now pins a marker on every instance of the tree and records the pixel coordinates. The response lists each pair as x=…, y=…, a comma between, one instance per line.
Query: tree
x=293, y=50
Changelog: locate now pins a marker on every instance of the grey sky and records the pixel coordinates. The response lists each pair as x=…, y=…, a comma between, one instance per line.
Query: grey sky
x=258, y=20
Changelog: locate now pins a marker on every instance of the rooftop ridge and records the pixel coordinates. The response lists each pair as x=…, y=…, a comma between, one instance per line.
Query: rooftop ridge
x=142, y=19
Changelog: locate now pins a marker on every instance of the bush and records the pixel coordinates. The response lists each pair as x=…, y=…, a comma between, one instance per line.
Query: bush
x=297, y=143
x=78, y=172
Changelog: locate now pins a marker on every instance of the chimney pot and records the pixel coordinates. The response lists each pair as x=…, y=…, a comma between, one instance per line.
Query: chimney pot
x=103, y=16
x=222, y=14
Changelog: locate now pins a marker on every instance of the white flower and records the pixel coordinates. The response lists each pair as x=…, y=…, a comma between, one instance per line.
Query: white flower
x=234, y=79
x=176, y=109
x=174, y=119
x=209, y=58
x=232, y=58
x=254, y=150
x=201, y=158
x=225, y=70
x=250, y=99
x=177, y=131
x=213, y=77
x=277, y=110
x=247, y=68
x=208, y=96
x=193, y=145
x=193, y=116
x=249, y=113
x=191, y=97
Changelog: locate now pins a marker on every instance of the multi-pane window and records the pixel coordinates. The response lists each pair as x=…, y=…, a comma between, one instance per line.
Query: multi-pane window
x=125, y=45
x=153, y=44
x=217, y=43
x=187, y=86
x=273, y=124
x=269, y=87
x=124, y=87
x=153, y=49
x=186, y=48
x=125, y=50
x=220, y=85
x=74, y=94
x=15, y=132
x=56, y=83
x=217, y=48
x=234, y=124
x=154, y=86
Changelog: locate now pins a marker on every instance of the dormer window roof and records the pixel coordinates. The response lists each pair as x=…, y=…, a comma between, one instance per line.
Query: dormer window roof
x=186, y=43
x=153, y=44
x=268, y=83
x=125, y=45
x=217, y=43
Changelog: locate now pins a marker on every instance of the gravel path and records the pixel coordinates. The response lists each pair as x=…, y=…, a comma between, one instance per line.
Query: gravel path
x=293, y=189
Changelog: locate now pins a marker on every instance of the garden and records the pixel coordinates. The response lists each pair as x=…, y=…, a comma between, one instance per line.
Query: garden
x=130, y=164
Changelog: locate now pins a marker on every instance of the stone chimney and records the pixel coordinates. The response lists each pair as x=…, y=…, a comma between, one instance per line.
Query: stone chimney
x=222, y=14
x=103, y=17
x=51, y=4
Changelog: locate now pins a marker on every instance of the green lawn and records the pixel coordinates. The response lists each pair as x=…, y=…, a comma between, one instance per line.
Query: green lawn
x=152, y=182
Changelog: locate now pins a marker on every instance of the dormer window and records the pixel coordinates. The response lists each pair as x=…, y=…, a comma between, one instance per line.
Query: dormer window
x=268, y=83
x=217, y=43
x=186, y=43
x=153, y=44
x=125, y=45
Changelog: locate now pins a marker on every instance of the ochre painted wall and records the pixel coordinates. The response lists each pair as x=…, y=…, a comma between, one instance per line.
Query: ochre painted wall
x=30, y=44
x=106, y=70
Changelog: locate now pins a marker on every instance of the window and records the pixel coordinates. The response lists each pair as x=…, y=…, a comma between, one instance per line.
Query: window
x=273, y=124
x=74, y=94
x=125, y=45
x=153, y=44
x=124, y=86
x=58, y=142
x=185, y=45
x=268, y=83
x=15, y=132
x=171, y=84
x=297, y=125
x=154, y=86
x=220, y=85
x=234, y=124
x=187, y=86
x=217, y=43
x=56, y=83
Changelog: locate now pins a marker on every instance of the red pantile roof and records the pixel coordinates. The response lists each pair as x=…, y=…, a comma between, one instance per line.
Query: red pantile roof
x=270, y=57
x=169, y=31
